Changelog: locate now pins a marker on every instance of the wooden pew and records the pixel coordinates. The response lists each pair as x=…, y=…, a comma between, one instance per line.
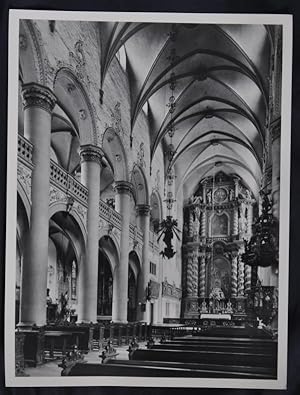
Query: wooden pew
x=260, y=349
x=148, y=369
x=212, y=357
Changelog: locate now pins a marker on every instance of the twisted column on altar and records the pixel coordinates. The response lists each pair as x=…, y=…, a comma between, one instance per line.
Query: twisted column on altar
x=202, y=276
x=234, y=274
x=189, y=274
x=203, y=223
x=249, y=219
x=247, y=275
x=195, y=273
x=191, y=222
x=235, y=227
x=241, y=278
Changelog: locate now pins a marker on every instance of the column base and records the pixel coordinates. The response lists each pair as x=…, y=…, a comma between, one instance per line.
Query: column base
x=26, y=325
x=119, y=322
x=86, y=322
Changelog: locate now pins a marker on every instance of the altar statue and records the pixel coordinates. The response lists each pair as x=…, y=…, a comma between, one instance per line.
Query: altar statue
x=203, y=307
x=209, y=196
x=216, y=300
x=229, y=308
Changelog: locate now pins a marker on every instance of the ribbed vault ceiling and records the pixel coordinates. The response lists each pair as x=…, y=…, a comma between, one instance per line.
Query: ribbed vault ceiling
x=221, y=93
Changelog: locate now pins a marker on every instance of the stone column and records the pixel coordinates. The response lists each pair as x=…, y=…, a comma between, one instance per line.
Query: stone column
x=38, y=102
x=203, y=223
x=88, y=278
x=195, y=273
x=234, y=275
x=247, y=278
x=202, y=276
x=275, y=132
x=143, y=222
x=189, y=274
x=120, y=287
x=241, y=269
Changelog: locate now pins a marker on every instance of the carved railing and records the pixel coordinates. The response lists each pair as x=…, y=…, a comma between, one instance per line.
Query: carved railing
x=63, y=180
x=69, y=185
x=109, y=214
x=25, y=149
x=135, y=233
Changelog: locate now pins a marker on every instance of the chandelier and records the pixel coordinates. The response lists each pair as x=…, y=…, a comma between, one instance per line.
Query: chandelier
x=169, y=226
x=261, y=249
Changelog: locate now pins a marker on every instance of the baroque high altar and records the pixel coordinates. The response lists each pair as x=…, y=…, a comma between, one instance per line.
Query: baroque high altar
x=217, y=220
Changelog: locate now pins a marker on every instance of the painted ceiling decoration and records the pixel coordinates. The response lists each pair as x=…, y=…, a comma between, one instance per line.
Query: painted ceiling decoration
x=220, y=81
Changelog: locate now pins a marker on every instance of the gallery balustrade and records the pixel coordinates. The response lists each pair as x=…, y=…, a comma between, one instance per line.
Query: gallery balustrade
x=69, y=185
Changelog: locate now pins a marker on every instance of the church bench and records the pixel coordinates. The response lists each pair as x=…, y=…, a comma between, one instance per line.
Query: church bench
x=217, y=347
x=240, y=370
x=218, y=357
x=126, y=368
x=248, y=332
x=195, y=339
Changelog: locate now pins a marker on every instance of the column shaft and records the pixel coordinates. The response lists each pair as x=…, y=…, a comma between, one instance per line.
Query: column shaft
x=88, y=283
x=247, y=278
x=191, y=222
x=120, y=286
x=189, y=274
x=234, y=277
x=195, y=274
x=241, y=269
x=38, y=104
x=143, y=222
x=235, y=229
x=203, y=223
x=202, y=276
x=249, y=219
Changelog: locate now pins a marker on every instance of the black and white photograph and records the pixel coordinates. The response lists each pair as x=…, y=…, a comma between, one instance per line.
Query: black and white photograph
x=148, y=199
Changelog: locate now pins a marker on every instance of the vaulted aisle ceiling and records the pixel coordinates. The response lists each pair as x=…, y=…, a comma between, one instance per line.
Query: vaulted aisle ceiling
x=221, y=75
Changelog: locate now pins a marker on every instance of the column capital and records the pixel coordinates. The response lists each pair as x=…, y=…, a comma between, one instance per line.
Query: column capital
x=91, y=153
x=36, y=95
x=122, y=187
x=143, y=209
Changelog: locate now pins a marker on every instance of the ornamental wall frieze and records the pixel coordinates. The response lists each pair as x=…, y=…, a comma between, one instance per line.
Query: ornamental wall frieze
x=56, y=195
x=38, y=44
x=81, y=210
x=24, y=177
x=116, y=119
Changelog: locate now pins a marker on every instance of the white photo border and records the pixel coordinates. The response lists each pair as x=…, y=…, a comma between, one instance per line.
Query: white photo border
x=13, y=63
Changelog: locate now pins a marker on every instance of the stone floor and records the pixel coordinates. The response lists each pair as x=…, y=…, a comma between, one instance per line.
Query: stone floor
x=51, y=369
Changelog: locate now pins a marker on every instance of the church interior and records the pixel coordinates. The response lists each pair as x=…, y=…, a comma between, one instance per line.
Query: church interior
x=148, y=198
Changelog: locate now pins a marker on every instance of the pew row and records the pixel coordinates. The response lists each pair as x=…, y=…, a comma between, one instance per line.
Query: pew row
x=209, y=357
x=165, y=369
